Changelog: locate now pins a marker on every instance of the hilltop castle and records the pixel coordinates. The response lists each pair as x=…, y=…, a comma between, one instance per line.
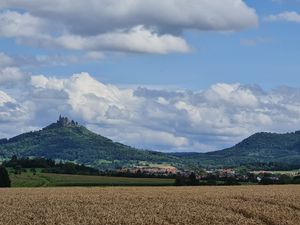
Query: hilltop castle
x=65, y=122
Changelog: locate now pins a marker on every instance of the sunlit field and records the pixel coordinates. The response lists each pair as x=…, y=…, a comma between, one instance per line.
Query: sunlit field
x=269, y=205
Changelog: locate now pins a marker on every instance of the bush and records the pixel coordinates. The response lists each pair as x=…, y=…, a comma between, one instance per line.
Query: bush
x=296, y=180
x=231, y=181
x=285, y=179
x=4, y=177
x=181, y=180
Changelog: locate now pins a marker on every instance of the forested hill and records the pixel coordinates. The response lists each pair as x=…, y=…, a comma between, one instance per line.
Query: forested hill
x=258, y=148
x=66, y=140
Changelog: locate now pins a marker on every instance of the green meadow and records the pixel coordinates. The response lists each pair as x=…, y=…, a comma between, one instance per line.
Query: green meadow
x=28, y=179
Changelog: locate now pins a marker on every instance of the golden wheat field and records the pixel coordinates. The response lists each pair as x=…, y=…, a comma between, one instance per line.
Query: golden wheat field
x=268, y=205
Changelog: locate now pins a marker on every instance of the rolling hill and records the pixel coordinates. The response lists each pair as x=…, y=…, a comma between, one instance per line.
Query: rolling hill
x=66, y=140
x=258, y=148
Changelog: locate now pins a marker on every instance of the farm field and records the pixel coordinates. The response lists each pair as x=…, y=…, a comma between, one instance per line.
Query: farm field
x=269, y=205
x=27, y=179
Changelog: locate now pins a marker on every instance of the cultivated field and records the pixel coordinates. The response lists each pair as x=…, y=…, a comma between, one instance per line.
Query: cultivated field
x=27, y=179
x=268, y=205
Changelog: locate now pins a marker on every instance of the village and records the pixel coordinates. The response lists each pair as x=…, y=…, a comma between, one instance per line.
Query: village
x=214, y=176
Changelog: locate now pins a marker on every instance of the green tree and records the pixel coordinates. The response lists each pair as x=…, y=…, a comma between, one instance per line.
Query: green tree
x=193, y=179
x=285, y=179
x=4, y=177
x=18, y=169
x=33, y=171
x=180, y=180
x=296, y=180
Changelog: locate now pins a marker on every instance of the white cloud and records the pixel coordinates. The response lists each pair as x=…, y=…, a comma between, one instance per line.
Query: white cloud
x=11, y=75
x=41, y=81
x=140, y=136
x=144, y=26
x=285, y=16
x=14, y=24
x=158, y=119
x=14, y=116
x=231, y=94
x=5, y=98
x=176, y=14
x=137, y=39
x=5, y=60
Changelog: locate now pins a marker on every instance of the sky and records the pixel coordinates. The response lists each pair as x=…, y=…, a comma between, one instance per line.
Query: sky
x=172, y=75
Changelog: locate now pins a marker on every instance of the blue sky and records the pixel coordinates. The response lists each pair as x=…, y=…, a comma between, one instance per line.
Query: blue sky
x=181, y=65
x=216, y=57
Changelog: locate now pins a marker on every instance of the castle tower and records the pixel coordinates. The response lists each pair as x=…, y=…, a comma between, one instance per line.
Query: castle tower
x=65, y=122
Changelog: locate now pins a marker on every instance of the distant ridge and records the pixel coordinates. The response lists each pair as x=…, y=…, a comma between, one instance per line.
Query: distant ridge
x=258, y=148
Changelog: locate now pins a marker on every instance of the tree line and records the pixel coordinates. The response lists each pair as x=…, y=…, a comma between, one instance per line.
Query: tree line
x=191, y=179
x=47, y=166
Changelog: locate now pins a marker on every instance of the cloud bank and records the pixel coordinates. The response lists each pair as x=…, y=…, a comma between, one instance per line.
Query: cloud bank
x=142, y=26
x=162, y=119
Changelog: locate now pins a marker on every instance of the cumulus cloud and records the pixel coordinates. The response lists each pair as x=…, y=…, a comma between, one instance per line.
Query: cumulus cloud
x=176, y=14
x=11, y=76
x=14, y=116
x=166, y=120
x=144, y=26
x=14, y=24
x=137, y=39
x=285, y=16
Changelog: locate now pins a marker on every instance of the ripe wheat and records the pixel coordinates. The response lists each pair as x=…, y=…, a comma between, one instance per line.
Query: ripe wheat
x=268, y=205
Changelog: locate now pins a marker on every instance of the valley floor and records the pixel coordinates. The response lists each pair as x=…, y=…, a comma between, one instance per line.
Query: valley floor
x=270, y=205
